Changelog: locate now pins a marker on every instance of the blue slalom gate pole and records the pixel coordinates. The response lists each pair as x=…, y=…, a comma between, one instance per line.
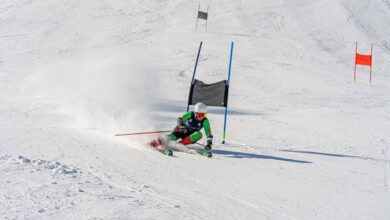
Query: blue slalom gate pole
x=196, y=64
x=230, y=66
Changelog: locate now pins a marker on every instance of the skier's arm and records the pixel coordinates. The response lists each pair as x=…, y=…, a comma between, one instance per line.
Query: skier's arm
x=207, y=130
x=184, y=118
x=181, y=122
x=206, y=125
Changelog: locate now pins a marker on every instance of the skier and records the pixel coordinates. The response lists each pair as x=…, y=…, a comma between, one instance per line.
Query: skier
x=188, y=128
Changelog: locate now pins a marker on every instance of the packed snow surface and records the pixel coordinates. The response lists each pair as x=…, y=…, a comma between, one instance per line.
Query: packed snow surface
x=303, y=140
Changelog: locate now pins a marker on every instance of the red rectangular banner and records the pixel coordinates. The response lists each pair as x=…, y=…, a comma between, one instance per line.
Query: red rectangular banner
x=363, y=59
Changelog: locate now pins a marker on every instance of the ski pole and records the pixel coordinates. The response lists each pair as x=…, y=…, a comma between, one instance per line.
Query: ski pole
x=201, y=144
x=148, y=132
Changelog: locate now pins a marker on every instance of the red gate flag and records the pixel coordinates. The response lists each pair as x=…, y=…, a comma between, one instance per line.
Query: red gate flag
x=365, y=60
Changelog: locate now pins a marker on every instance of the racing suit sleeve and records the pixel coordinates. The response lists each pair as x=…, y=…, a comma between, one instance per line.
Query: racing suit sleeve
x=186, y=116
x=206, y=126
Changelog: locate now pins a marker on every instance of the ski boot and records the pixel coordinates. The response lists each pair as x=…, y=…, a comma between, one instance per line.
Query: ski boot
x=160, y=144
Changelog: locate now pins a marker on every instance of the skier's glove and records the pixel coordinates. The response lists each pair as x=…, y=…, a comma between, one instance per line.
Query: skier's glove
x=180, y=121
x=209, y=142
x=182, y=129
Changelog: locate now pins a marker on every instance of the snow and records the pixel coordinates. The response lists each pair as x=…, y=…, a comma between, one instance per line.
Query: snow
x=303, y=140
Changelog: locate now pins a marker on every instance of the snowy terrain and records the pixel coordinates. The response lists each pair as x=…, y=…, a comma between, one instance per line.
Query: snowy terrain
x=303, y=140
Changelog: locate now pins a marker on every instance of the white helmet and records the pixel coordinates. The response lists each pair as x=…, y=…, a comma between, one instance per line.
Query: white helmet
x=200, y=108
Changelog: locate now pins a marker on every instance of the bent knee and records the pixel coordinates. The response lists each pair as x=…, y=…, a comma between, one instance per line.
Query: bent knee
x=196, y=136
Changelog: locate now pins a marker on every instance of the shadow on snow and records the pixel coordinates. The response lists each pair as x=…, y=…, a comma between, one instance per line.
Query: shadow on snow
x=236, y=154
x=334, y=155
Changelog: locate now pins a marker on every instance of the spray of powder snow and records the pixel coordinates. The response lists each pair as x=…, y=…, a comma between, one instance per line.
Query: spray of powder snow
x=110, y=90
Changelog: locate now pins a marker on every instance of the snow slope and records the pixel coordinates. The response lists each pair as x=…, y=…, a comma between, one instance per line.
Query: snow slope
x=303, y=140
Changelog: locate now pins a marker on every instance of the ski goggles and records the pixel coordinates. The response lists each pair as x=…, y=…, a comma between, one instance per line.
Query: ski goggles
x=201, y=115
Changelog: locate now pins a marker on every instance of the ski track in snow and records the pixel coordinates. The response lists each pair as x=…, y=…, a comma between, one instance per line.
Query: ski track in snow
x=32, y=188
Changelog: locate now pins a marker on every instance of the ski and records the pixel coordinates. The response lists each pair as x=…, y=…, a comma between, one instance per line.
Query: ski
x=204, y=153
x=166, y=147
x=157, y=144
x=200, y=152
x=167, y=152
x=162, y=150
x=185, y=149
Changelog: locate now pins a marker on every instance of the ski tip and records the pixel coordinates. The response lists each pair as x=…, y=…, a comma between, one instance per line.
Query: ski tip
x=207, y=154
x=168, y=152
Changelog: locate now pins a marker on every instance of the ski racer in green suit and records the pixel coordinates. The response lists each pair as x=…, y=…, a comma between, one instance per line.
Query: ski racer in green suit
x=188, y=128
